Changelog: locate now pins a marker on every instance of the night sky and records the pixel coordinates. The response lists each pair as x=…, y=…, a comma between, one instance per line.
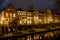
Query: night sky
x=39, y=4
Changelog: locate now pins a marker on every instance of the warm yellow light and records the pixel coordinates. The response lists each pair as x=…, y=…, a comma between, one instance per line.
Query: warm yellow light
x=6, y=14
x=40, y=20
x=29, y=21
x=36, y=17
x=20, y=22
x=1, y=22
x=2, y=18
x=14, y=15
x=10, y=14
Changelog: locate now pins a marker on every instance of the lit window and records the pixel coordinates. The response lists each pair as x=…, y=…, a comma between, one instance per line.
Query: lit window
x=20, y=22
x=20, y=13
x=29, y=21
x=36, y=17
x=23, y=13
x=28, y=37
x=10, y=14
x=28, y=13
x=6, y=14
x=29, y=17
x=40, y=20
x=14, y=15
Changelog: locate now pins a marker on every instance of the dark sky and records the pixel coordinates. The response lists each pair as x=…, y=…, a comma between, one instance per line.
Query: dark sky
x=3, y=3
x=39, y=4
x=24, y=4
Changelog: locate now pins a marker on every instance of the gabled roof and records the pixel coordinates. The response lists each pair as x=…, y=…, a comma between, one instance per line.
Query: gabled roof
x=10, y=6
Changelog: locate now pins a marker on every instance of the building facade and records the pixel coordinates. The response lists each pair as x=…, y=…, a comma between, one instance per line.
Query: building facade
x=26, y=18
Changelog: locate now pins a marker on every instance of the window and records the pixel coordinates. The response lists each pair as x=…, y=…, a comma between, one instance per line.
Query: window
x=20, y=22
x=28, y=37
x=19, y=13
x=10, y=14
x=36, y=17
x=40, y=20
x=6, y=14
x=29, y=21
x=14, y=15
x=28, y=13
x=29, y=17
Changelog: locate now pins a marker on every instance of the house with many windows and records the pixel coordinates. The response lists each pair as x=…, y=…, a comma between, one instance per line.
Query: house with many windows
x=25, y=17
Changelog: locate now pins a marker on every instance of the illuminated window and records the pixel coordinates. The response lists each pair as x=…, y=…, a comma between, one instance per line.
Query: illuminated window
x=20, y=22
x=6, y=14
x=29, y=21
x=36, y=17
x=19, y=13
x=28, y=13
x=23, y=21
x=10, y=14
x=29, y=17
x=28, y=37
x=14, y=15
x=23, y=13
x=40, y=20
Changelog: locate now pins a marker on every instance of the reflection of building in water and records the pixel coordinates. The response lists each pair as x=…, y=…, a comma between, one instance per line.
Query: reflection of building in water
x=44, y=36
x=28, y=18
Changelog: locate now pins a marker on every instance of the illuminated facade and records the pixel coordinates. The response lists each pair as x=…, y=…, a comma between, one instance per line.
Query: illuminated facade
x=9, y=14
x=27, y=18
x=48, y=17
